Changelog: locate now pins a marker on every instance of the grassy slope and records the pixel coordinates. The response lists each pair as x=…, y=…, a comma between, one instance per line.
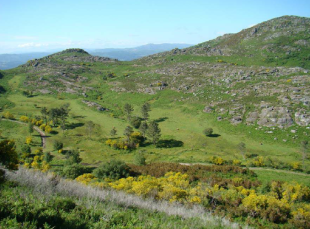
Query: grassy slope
x=176, y=125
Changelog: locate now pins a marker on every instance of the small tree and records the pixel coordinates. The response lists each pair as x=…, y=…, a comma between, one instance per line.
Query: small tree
x=58, y=145
x=48, y=157
x=242, y=149
x=145, y=109
x=128, y=109
x=143, y=128
x=73, y=156
x=26, y=149
x=208, y=131
x=135, y=122
x=63, y=114
x=89, y=128
x=127, y=132
x=113, y=132
x=44, y=113
x=153, y=132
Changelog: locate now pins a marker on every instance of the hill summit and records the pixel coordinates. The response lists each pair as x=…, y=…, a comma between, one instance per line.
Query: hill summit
x=282, y=41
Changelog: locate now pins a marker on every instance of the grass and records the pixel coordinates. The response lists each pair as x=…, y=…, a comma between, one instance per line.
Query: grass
x=268, y=176
x=178, y=121
x=116, y=209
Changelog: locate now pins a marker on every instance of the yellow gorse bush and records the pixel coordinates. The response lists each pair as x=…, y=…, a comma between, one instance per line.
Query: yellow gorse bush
x=24, y=119
x=86, y=178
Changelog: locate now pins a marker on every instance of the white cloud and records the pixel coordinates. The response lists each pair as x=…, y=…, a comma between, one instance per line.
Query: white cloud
x=31, y=44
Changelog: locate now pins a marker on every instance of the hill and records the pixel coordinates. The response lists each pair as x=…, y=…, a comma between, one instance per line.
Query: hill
x=282, y=41
x=8, y=61
x=128, y=54
x=212, y=104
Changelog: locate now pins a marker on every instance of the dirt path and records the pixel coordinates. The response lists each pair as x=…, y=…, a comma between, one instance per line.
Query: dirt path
x=279, y=171
x=258, y=168
x=41, y=132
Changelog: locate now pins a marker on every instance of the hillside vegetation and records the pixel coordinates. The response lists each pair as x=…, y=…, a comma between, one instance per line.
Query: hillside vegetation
x=231, y=116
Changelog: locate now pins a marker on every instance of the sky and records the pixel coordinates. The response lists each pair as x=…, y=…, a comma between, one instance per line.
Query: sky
x=47, y=25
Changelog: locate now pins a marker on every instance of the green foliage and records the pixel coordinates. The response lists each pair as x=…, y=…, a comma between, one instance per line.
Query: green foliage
x=143, y=128
x=113, y=169
x=153, y=131
x=135, y=122
x=26, y=149
x=140, y=158
x=58, y=145
x=113, y=132
x=208, y=131
x=30, y=127
x=48, y=157
x=127, y=132
x=73, y=171
x=22, y=207
x=8, y=155
x=128, y=109
x=73, y=156
x=145, y=109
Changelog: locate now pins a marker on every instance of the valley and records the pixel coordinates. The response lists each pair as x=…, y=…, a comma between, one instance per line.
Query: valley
x=223, y=125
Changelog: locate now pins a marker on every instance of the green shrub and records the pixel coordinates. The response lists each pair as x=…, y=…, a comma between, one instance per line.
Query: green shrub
x=48, y=157
x=73, y=171
x=208, y=131
x=135, y=122
x=113, y=169
x=58, y=145
x=140, y=159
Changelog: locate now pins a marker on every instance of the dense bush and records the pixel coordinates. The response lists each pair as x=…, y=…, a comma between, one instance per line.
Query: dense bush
x=73, y=171
x=113, y=169
x=135, y=122
x=208, y=131
x=211, y=174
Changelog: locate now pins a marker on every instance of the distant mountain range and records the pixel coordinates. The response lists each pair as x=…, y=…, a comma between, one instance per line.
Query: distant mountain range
x=8, y=61
x=127, y=54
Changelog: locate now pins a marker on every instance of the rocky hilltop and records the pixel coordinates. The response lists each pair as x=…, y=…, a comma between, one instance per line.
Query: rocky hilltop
x=259, y=76
x=280, y=41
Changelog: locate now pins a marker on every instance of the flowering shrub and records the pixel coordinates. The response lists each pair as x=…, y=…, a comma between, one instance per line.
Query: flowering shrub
x=8, y=115
x=86, y=178
x=24, y=119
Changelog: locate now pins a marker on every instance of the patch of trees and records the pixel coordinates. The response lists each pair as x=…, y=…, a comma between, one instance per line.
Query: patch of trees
x=133, y=139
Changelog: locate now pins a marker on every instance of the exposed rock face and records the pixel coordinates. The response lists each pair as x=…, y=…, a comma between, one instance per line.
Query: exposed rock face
x=208, y=109
x=271, y=116
x=302, y=118
x=93, y=104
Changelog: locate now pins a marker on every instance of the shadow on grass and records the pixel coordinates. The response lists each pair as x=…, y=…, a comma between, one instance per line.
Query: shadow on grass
x=79, y=116
x=72, y=126
x=169, y=143
x=214, y=135
x=161, y=119
x=38, y=135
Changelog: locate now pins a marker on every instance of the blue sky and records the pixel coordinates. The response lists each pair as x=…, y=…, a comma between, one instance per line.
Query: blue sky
x=44, y=25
